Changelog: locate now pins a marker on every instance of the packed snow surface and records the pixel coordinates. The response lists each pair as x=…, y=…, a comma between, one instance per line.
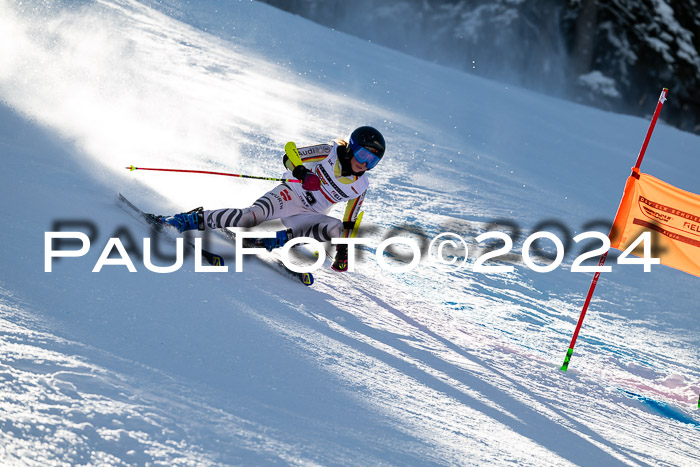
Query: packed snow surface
x=430, y=366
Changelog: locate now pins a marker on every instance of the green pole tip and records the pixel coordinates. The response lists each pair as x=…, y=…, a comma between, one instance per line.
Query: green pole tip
x=567, y=359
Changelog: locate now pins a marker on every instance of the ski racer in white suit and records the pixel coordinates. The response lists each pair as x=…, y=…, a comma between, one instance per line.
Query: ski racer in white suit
x=330, y=174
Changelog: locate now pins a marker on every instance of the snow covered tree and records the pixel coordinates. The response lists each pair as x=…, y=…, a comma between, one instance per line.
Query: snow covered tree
x=625, y=51
x=614, y=54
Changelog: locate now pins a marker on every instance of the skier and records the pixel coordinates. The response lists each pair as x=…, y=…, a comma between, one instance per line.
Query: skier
x=330, y=174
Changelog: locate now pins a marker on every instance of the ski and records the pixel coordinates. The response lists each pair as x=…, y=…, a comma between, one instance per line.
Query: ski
x=356, y=227
x=305, y=278
x=212, y=258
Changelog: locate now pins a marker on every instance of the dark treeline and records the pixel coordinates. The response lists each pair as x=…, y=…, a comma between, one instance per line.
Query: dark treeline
x=615, y=54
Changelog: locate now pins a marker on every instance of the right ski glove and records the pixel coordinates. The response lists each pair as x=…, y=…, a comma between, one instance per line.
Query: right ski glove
x=341, y=259
x=309, y=180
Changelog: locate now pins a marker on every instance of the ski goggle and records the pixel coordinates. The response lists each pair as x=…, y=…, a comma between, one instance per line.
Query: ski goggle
x=364, y=155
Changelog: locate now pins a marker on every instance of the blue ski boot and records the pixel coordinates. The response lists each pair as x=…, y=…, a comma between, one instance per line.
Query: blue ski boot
x=190, y=220
x=278, y=241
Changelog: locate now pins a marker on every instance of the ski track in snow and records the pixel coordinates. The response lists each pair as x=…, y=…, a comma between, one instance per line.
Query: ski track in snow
x=59, y=404
x=428, y=367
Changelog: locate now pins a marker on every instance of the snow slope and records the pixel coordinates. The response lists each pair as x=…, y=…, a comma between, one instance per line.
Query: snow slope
x=427, y=367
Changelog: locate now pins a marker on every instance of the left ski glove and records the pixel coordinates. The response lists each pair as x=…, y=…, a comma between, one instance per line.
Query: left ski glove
x=309, y=180
x=190, y=220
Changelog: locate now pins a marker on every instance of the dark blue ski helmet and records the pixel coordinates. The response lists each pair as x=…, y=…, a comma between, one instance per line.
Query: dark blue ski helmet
x=367, y=145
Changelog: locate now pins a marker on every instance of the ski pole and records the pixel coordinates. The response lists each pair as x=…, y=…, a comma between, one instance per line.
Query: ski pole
x=289, y=180
x=601, y=262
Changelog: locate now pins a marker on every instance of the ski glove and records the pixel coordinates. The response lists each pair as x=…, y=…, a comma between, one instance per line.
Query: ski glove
x=191, y=220
x=341, y=259
x=309, y=180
